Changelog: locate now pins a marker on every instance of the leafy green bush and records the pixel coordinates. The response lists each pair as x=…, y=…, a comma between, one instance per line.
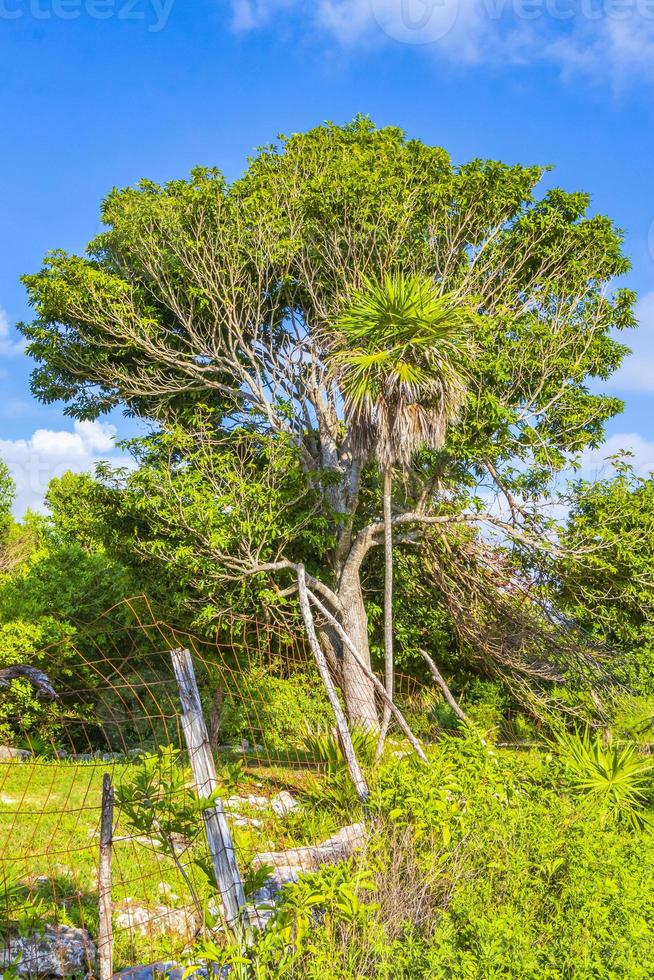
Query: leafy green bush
x=22, y=713
x=274, y=711
x=486, y=863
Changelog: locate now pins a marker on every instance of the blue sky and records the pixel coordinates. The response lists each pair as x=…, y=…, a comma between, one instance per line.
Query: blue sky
x=97, y=93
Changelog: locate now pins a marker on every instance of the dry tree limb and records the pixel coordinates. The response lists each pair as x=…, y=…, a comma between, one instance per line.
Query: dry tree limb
x=344, y=737
x=379, y=687
x=447, y=694
x=37, y=678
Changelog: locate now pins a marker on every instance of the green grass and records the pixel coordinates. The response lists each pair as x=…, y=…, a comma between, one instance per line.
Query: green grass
x=49, y=845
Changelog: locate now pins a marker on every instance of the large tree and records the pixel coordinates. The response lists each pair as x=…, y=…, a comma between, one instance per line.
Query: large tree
x=224, y=295
x=399, y=363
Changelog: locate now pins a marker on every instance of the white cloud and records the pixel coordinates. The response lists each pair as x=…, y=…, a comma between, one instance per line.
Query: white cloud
x=8, y=346
x=637, y=371
x=594, y=462
x=48, y=453
x=613, y=38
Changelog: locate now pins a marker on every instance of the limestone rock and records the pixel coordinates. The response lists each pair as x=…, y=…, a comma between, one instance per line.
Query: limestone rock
x=54, y=951
x=9, y=752
x=284, y=803
x=256, y=802
x=331, y=851
x=156, y=920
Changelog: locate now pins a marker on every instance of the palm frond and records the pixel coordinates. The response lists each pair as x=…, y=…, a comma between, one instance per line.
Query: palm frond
x=615, y=774
x=400, y=363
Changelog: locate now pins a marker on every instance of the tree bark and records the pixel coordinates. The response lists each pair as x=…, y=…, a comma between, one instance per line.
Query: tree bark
x=358, y=689
x=389, y=663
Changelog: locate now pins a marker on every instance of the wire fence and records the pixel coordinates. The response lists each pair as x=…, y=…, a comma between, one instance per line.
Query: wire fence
x=286, y=798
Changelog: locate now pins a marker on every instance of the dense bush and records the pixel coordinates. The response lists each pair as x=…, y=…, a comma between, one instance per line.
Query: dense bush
x=274, y=711
x=486, y=863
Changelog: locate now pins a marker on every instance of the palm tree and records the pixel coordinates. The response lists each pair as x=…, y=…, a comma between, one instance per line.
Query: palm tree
x=399, y=367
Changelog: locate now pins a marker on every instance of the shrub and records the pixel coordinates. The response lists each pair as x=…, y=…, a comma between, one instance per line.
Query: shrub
x=274, y=711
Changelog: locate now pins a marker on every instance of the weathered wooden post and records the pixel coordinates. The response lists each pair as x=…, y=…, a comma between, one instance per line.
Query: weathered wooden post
x=105, y=932
x=219, y=838
x=339, y=715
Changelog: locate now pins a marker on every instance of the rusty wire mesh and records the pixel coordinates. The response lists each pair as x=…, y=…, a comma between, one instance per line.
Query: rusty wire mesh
x=119, y=705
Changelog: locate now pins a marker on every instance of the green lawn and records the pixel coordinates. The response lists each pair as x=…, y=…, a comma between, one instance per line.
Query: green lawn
x=49, y=840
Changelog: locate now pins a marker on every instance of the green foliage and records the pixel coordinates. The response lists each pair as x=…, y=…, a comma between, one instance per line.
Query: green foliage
x=338, y=898
x=482, y=864
x=18, y=914
x=398, y=204
x=202, y=298
x=274, y=711
x=333, y=789
x=400, y=365
x=201, y=508
x=610, y=589
x=51, y=596
x=615, y=775
x=157, y=803
x=23, y=715
x=156, y=799
x=324, y=748
x=7, y=495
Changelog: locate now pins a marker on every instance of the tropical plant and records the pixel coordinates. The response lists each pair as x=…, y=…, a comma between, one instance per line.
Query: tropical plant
x=399, y=366
x=156, y=801
x=334, y=790
x=324, y=748
x=614, y=775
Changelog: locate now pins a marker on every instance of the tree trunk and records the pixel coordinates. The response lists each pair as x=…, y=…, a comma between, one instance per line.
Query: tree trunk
x=358, y=690
x=388, y=603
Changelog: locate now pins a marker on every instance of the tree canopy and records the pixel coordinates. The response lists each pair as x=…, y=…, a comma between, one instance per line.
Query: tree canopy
x=205, y=296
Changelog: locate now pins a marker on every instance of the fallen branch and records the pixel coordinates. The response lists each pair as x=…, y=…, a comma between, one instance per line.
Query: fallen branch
x=379, y=687
x=344, y=736
x=447, y=694
x=37, y=679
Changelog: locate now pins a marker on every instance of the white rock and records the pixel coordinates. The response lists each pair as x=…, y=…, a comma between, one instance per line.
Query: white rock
x=240, y=821
x=55, y=951
x=256, y=802
x=331, y=851
x=9, y=752
x=284, y=803
x=157, y=920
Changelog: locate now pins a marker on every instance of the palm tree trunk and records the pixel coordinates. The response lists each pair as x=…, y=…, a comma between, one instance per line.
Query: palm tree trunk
x=389, y=664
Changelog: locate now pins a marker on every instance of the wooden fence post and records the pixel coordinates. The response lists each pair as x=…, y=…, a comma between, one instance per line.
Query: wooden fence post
x=105, y=931
x=219, y=838
x=339, y=715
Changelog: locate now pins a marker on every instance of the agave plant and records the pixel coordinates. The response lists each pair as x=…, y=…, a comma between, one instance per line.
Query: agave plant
x=323, y=747
x=614, y=774
x=399, y=365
